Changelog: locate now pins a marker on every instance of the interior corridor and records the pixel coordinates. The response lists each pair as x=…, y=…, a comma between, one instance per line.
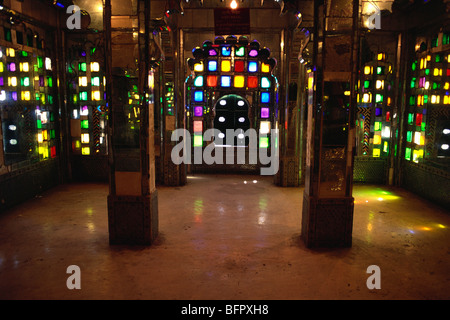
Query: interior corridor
x=224, y=237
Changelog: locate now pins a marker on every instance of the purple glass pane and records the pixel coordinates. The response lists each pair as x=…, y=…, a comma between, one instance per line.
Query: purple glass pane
x=198, y=111
x=12, y=67
x=253, y=53
x=265, y=113
x=378, y=112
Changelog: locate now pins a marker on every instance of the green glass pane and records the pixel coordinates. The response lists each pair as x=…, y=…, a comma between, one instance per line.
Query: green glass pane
x=425, y=98
x=40, y=62
x=410, y=118
x=377, y=126
x=50, y=81
x=82, y=66
x=414, y=66
x=240, y=52
x=24, y=54
x=84, y=124
x=263, y=142
x=423, y=125
x=39, y=124
x=52, y=134
x=95, y=81
x=198, y=140
x=438, y=58
x=427, y=72
x=413, y=82
x=379, y=98
x=366, y=84
x=412, y=100
x=408, y=153
x=409, y=136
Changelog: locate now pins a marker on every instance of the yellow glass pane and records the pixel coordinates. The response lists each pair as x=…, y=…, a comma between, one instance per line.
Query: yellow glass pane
x=239, y=81
x=226, y=66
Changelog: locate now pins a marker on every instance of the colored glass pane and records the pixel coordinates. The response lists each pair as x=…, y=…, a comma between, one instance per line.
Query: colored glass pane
x=211, y=81
x=239, y=66
x=239, y=81
x=252, y=82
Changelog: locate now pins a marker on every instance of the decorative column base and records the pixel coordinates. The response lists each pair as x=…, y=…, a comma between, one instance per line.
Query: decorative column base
x=327, y=222
x=133, y=220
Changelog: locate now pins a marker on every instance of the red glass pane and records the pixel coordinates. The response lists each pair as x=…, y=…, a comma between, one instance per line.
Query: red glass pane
x=239, y=66
x=211, y=81
x=252, y=82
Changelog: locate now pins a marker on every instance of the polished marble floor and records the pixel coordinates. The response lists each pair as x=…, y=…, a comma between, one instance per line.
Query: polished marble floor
x=224, y=237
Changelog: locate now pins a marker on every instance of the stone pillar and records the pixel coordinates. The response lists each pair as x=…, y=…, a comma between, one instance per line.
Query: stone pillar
x=327, y=215
x=133, y=198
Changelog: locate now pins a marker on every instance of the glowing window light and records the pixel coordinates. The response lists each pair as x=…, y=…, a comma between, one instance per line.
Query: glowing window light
x=2, y=67
x=40, y=138
x=386, y=133
x=211, y=81
x=240, y=52
x=435, y=98
x=85, y=138
x=198, y=81
x=253, y=53
x=410, y=118
x=12, y=66
x=265, y=97
x=409, y=136
x=252, y=66
x=82, y=81
x=222, y=119
x=420, y=100
x=198, y=140
x=368, y=70
x=48, y=64
x=12, y=127
x=252, y=82
x=376, y=152
x=377, y=139
x=265, y=113
x=12, y=81
x=378, y=112
x=25, y=81
x=265, y=82
x=423, y=63
x=389, y=101
x=198, y=126
x=198, y=111
x=83, y=96
x=25, y=95
x=14, y=95
x=84, y=124
x=212, y=65
x=85, y=151
x=377, y=126
x=198, y=67
x=263, y=142
x=239, y=81
x=381, y=56
x=419, y=117
x=95, y=67
x=10, y=52
x=239, y=66
x=367, y=84
x=417, y=154
x=226, y=51
x=265, y=68
x=24, y=67
x=437, y=72
x=417, y=137
x=427, y=85
x=367, y=98
x=380, y=70
x=380, y=84
x=225, y=66
x=408, y=153
x=446, y=131
x=446, y=99
x=13, y=142
x=198, y=96
x=212, y=52
x=444, y=146
x=385, y=146
x=95, y=81
x=264, y=127
x=241, y=103
x=225, y=81
x=2, y=95
x=96, y=95
x=84, y=111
